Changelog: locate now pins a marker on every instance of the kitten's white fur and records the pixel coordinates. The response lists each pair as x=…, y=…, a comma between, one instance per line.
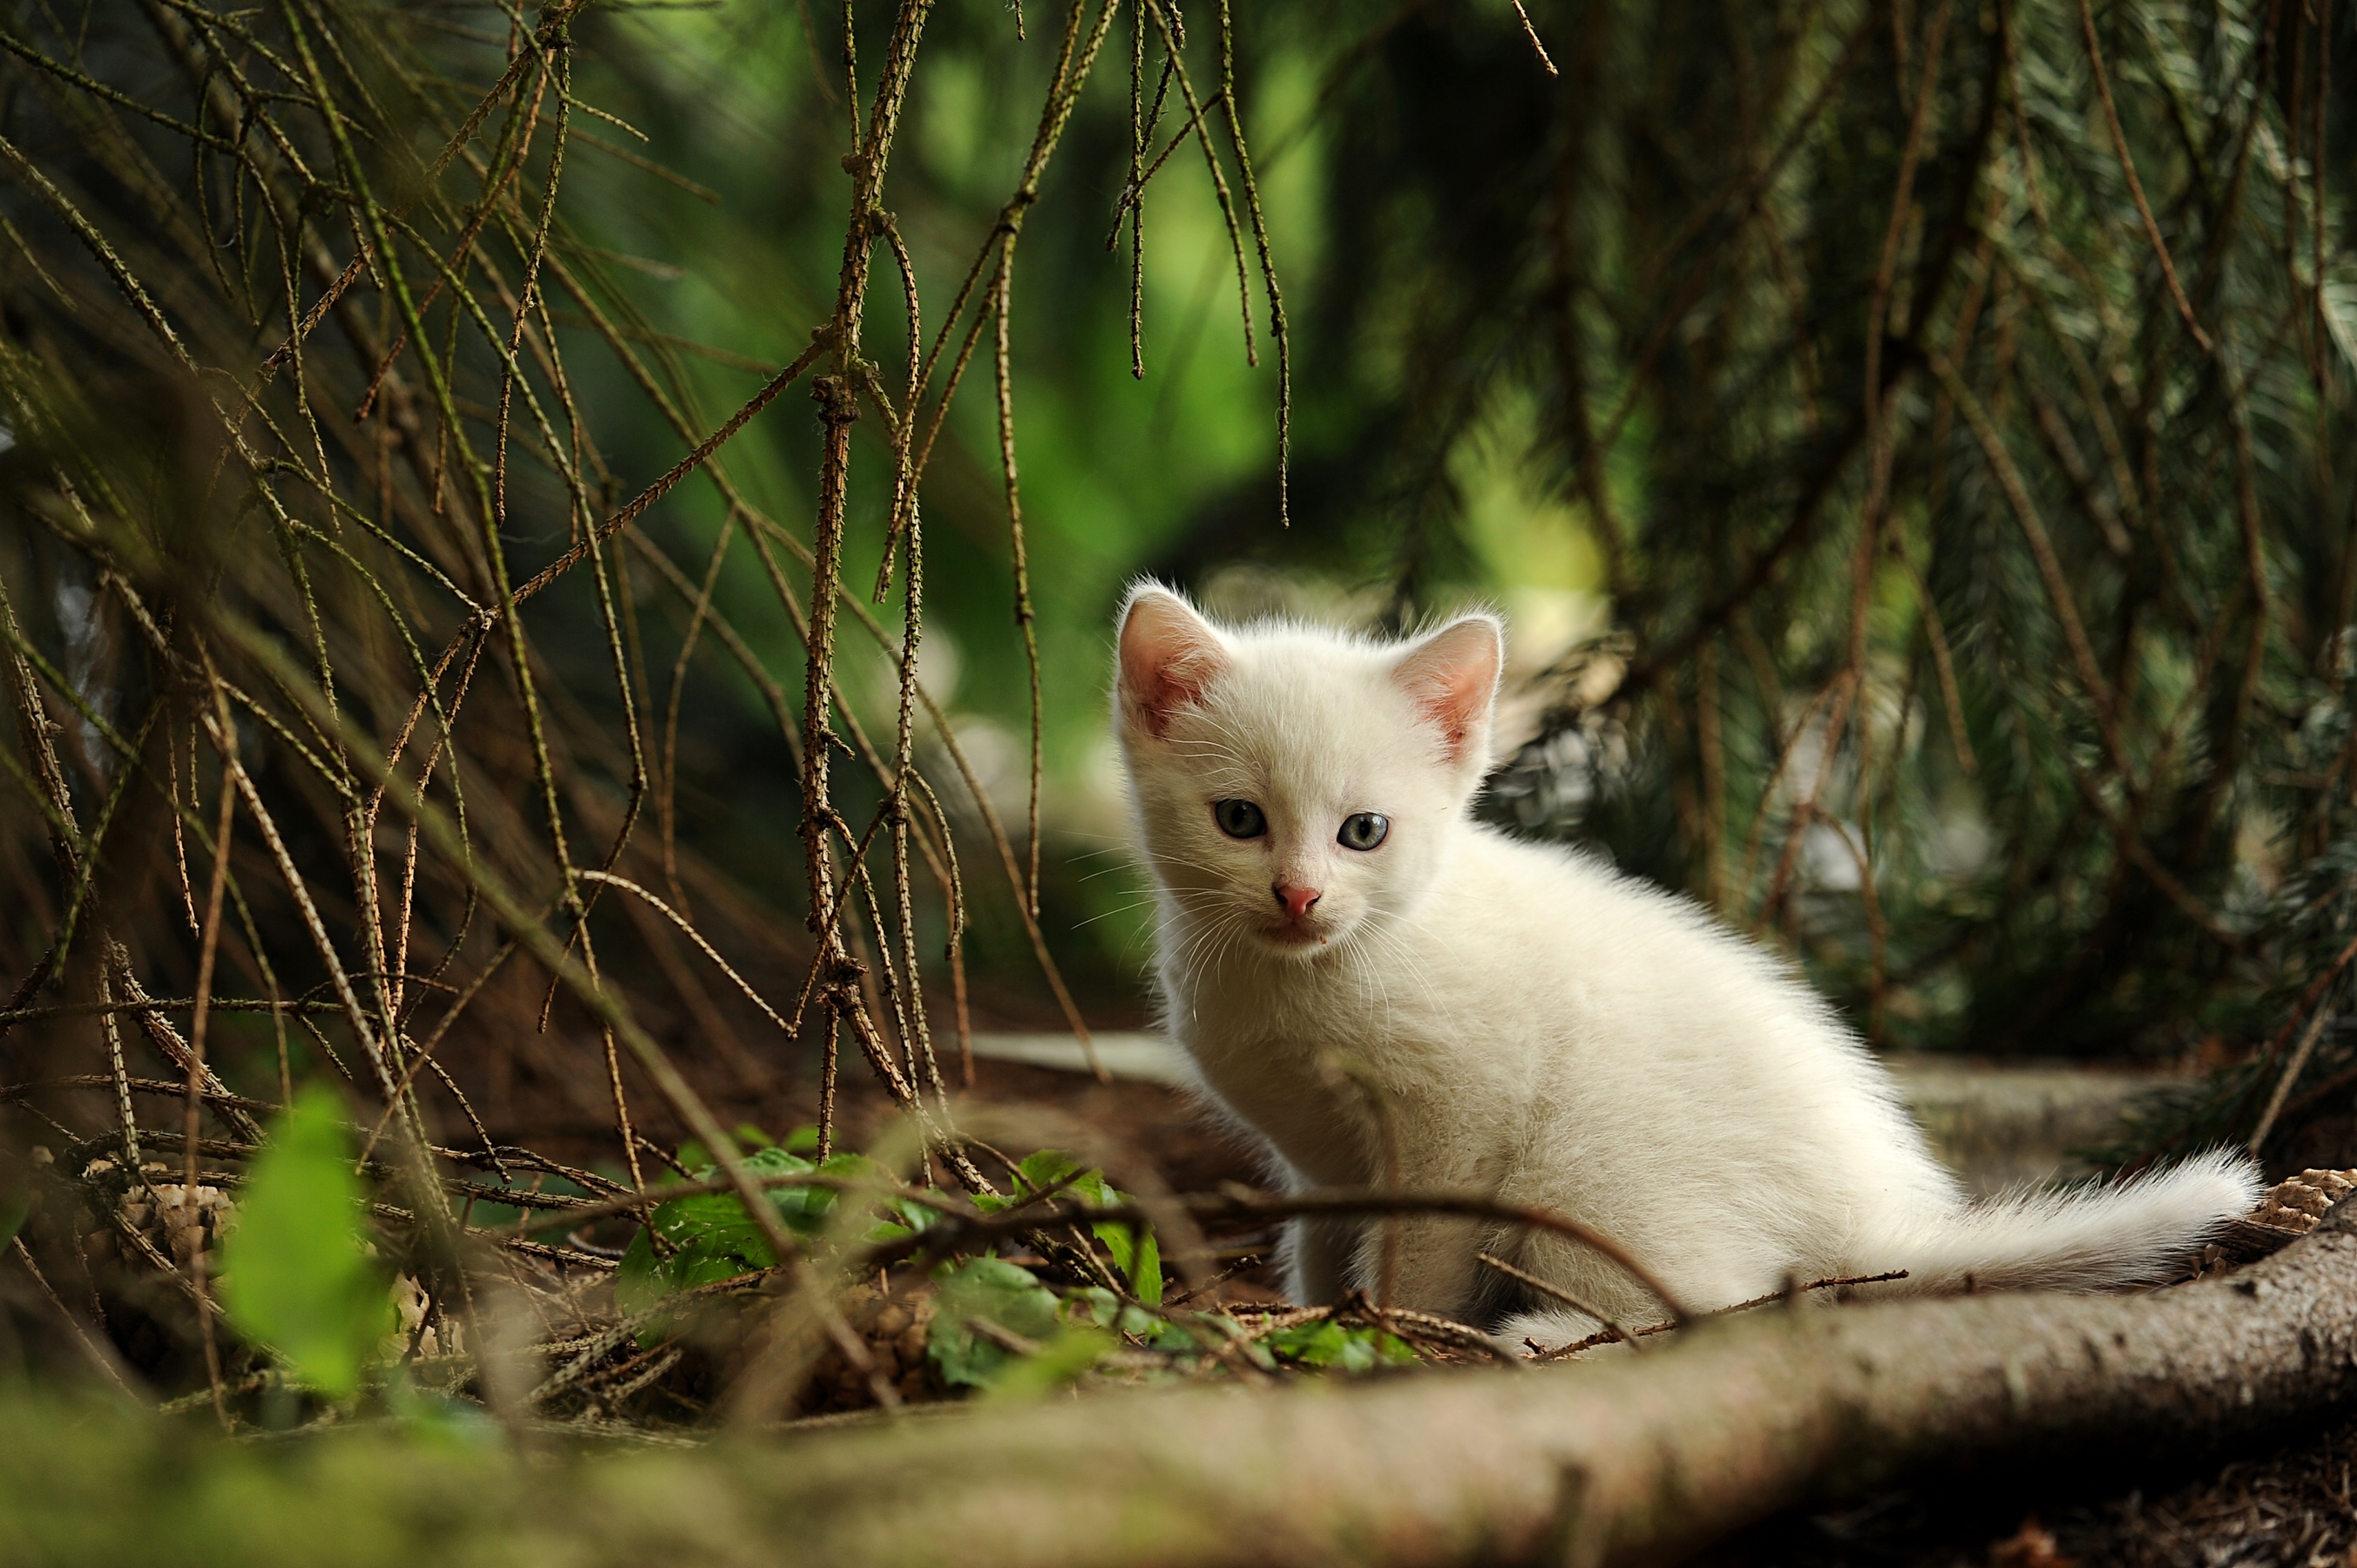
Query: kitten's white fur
x=1543, y=1028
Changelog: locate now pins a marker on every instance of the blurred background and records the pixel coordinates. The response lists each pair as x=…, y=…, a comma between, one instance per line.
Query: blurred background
x=2007, y=697
x=1909, y=442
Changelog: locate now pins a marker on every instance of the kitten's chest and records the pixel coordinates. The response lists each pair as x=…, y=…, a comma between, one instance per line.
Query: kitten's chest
x=1283, y=1051
x=1307, y=1011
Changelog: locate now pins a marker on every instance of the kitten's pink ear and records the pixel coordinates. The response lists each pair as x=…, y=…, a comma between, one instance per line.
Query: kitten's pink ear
x=1453, y=676
x=1169, y=655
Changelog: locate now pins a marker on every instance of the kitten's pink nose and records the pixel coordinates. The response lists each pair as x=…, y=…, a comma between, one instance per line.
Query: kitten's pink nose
x=1296, y=900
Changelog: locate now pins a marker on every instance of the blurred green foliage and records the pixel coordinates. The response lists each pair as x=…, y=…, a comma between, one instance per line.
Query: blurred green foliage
x=299, y=1272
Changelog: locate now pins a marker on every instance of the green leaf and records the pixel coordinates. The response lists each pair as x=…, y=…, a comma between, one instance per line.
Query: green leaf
x=1093, y=1304
x=1146, y=1279
x=712, y=1236
x=714, y=1222
x=1159, y=1332
x=1043, y=1169
x=639, y=1282
x=1313, y=1344
x=909, y=1217
x=295, y=1272
x=1134, y=1251
x=993, y=1289
x=717, y=1224
x=1136, y=1255
x=1331, y=1344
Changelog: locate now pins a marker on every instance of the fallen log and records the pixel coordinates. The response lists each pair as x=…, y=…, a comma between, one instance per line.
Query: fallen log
x=1586, y=1463
x=1642, y=1459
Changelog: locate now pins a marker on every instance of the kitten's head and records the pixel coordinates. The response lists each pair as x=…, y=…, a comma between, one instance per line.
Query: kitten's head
x=1291, y=781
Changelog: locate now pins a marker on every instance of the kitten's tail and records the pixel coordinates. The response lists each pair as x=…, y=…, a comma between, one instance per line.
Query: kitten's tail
x=2126, y=1232
x=2094, y=1237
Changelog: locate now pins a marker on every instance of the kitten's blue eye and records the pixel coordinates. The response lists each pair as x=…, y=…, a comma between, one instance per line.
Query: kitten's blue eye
x=1364, y=831
x=1239, y=818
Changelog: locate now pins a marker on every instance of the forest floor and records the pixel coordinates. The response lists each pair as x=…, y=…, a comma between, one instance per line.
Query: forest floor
x=2291, y=1506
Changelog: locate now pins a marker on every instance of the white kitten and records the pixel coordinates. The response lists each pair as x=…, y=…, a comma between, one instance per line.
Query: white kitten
x=1544, y=1028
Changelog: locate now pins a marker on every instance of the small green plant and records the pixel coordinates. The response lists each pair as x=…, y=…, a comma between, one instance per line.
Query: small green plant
x=1134, y=1248
x=704, y=1238
x=989, y=1289
x=1351, y=1347
x=996, y=1326
x=298, y=1273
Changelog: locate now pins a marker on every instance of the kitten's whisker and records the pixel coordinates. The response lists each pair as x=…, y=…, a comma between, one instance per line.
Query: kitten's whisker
x=1203, y=865
x=1196, y=941
x=1395, y=936
x=1108, y=914
x=1231, y=928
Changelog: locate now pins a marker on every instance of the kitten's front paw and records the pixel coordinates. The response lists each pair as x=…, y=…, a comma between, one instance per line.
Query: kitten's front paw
x=1537, y=1332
